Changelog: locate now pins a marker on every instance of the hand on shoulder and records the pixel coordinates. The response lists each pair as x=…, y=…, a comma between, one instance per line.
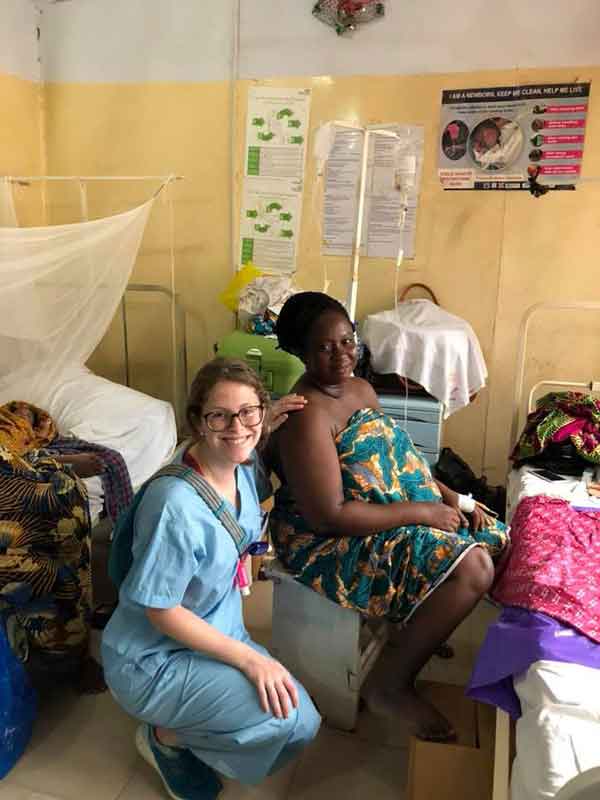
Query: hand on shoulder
x=283, y=407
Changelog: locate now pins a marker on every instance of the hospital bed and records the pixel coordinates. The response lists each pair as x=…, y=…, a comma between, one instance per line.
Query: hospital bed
x=143, y=429
x=556, y=737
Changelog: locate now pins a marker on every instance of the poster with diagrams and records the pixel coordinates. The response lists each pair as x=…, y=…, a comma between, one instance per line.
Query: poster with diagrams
x=269, y=226
x=340, y=197
x=392, y=189
x=275, y=155
x=498, y=137
x=393, y=183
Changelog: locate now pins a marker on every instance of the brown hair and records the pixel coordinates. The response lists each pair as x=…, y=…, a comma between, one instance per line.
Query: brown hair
x=233, y=370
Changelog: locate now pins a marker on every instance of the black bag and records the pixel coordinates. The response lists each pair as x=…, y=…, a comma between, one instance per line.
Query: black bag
x=559, y=457
x=452, y=470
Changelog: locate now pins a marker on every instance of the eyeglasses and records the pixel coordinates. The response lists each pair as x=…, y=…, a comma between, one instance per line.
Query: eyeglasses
x=220, y=420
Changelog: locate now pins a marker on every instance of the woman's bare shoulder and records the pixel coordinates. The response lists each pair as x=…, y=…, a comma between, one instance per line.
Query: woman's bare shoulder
x=316, y=414
x=365, y=392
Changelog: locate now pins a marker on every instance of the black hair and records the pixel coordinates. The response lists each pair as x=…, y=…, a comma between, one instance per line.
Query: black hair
x=298, y=315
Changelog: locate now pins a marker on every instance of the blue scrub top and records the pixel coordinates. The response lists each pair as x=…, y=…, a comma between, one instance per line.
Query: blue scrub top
x=182, y=555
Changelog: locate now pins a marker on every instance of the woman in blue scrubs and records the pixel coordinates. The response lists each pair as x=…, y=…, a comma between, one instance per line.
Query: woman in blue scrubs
x=176, y=653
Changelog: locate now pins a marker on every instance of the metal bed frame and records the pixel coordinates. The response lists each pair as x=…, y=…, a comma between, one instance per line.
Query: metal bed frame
x=178, y=343
x=502, y=752
x=593, y=386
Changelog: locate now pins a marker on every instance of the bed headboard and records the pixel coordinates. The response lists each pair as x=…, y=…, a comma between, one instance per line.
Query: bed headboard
x=518, y=406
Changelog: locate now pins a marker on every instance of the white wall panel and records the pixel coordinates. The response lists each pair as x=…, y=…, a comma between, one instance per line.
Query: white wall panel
x=136, y=40
x=280, y=37
x=18, y=40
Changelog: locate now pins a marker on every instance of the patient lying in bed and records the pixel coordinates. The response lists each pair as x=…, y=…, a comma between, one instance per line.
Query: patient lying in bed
x=86, y=465
x=26, y=429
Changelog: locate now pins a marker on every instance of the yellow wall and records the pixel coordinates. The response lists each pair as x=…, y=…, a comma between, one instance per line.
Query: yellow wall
x=153, y=129
x=21, y=151
x=487, y=255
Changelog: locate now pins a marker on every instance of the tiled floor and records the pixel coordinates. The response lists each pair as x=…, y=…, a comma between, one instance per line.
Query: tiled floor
x=83, y=748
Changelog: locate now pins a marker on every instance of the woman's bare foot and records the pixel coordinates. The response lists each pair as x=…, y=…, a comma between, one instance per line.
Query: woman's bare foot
x=91, y=677
x=421, y=718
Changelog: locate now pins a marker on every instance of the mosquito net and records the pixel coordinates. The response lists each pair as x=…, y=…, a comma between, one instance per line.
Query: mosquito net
x=59, y=289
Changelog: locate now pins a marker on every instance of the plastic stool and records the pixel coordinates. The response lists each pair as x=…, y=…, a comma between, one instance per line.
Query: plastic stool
x=330, y=649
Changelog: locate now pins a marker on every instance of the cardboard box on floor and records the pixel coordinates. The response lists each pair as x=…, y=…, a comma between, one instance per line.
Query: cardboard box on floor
x=464, y=769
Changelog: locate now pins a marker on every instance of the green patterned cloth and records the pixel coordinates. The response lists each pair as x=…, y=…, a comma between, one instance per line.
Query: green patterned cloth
x=559, y=417
x=386, y=574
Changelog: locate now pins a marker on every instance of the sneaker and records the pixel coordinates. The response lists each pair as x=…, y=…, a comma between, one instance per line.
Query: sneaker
x=184, y=776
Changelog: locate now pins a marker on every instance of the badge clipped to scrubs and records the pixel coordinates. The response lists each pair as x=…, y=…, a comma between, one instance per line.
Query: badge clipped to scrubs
x=241, y=579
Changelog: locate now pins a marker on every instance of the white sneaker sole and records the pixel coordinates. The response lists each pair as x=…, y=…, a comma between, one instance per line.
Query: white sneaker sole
x=144, y=749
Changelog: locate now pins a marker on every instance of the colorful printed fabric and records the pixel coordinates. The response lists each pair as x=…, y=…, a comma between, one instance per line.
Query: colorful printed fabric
x=560, y=416
x=390, y=573
x=24, y=427
x=45, y=541
x=116, y=483
x=554, y=563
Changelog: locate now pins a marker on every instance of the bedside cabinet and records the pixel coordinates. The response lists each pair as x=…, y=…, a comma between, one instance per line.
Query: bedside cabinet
x=421, y=417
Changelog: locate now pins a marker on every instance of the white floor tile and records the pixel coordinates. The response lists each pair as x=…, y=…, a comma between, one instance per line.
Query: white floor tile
x=146, y=785
x=82, y=747
x=11, y=791
x=338, y=765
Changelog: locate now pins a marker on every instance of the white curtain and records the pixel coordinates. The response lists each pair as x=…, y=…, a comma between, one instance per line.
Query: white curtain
x=59, y=289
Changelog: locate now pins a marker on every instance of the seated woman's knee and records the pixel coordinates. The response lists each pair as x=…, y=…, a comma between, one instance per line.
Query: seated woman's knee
x=477, y=570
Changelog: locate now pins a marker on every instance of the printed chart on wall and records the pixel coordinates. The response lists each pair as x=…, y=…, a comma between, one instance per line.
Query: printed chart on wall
x=275, y=155
x=392, y=188
x=497, y=138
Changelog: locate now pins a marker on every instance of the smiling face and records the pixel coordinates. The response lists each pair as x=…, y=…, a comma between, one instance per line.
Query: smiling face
x=236, y=442
x=331, y=351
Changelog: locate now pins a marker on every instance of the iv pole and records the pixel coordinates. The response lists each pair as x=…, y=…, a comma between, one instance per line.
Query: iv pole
x=360, y=213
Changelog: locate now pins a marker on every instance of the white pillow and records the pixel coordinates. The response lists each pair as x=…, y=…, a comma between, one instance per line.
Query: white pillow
x=97, y=410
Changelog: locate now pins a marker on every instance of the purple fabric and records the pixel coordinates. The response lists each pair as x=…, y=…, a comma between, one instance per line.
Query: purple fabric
x=515, y=641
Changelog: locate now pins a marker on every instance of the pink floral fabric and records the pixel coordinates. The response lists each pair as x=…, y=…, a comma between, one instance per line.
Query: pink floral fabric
x=554, y=564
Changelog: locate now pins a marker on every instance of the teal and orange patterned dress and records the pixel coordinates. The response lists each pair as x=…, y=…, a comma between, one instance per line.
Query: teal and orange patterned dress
x=388, y=574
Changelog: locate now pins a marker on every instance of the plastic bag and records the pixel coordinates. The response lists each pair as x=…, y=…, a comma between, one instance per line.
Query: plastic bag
x=17, y=706
x=230, y=297
x=261, y=301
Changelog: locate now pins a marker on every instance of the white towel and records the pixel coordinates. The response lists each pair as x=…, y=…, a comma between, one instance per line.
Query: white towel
x=426, y=344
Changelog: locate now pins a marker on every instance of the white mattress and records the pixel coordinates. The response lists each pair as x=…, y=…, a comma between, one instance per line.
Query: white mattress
x=559, y=730
x=97, y=410
x=524, y=482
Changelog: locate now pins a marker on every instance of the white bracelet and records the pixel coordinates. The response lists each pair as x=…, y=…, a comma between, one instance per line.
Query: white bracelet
x=466, y=503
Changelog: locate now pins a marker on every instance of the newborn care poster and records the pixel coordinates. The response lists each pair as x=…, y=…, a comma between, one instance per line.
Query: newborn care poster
x=275, y=154
x=498, y=137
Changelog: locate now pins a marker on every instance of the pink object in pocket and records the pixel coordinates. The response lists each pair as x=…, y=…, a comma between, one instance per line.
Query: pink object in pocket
x=241, y=577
